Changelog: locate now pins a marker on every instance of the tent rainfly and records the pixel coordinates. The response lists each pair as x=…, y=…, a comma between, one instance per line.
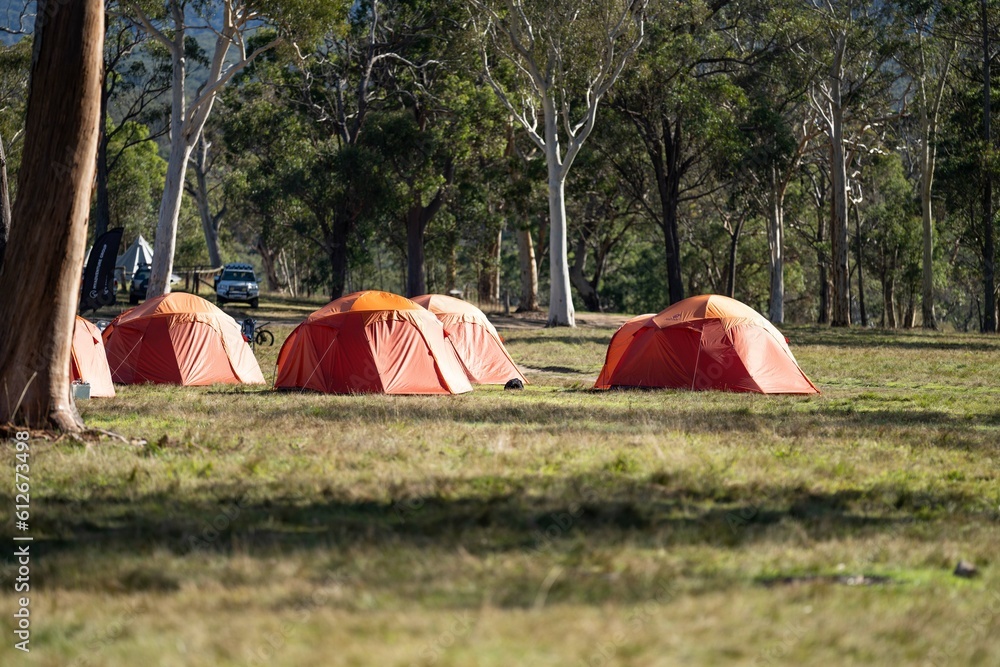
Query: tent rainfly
x=179, y=339
x=475, y=339
x=704, y=342
x=88, y=361
x=370, y=342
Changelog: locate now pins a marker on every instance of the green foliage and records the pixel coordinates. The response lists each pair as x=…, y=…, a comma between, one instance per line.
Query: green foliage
x=136, y=182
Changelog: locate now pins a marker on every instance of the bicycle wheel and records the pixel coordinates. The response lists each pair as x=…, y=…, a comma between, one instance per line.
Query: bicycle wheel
x=264, y=337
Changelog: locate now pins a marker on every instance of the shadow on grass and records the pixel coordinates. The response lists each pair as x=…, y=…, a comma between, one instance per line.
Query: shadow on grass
x=589, y=512
x=905, y=340
x=784, y=419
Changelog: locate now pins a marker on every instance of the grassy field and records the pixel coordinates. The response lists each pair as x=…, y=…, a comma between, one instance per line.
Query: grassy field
x=554, y=526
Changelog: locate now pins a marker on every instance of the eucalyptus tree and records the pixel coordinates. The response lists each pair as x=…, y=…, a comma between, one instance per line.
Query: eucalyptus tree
x=171, y=23
x=779, y=126
x=681, y=100
x=15, y=64
x=927, y=60
x=555, y=60
x=133, y=108
x=49, y=220
x=851, y=47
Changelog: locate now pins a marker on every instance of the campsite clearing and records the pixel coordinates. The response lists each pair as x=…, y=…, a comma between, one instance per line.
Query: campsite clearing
x=551, y=526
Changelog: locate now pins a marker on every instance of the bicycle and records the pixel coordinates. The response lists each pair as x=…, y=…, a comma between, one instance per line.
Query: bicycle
x=263, y=336
x=256, y=335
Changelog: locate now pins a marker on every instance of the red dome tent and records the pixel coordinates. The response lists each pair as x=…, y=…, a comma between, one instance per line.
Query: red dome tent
x=370, y=342
x=619, y=344
x=704, y=342
x=475, y=339
x=88, y=361
x=179, y=339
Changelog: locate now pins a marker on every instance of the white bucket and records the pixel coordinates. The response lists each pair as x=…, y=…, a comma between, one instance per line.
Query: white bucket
x=81, y=391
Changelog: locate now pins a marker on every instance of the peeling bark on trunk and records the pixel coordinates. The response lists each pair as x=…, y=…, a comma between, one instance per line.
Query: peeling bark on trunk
x=49, y=221
x=529, y=272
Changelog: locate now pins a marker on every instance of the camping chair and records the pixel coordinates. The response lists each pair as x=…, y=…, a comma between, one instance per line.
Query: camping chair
x=247, y=329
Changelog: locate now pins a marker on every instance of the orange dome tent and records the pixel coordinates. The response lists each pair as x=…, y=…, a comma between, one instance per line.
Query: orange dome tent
x=370, y=342
x=88, y=362
x=179, y=339
x=704, y=342
x=475, y=339
x=619, y=344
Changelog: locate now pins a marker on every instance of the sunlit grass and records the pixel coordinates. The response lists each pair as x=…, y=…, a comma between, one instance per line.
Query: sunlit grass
x=552, y=526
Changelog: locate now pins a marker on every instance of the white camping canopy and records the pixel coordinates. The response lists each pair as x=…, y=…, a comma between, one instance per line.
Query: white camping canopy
x=140, y=253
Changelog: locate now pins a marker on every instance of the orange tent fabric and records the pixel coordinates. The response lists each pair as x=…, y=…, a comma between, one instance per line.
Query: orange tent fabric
x=179, y=339
x=475, y=339
x=619, y=344
x=88, y=361
x=370, y=342
x=704, y=342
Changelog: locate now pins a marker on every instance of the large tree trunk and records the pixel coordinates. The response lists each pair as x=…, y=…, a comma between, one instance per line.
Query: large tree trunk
x=840, y=242
x=587, y=291
x=561, y=313
x=269, y=259
x=776, y=243
x=210, y=223
x=734, y=242
x=49, y=221
x=186, y=126
x=889, y=297
x=417, y=219
x=4, y=203
x=336, y=248
x=825, y=304
x=910, y=316
x=927, y=213
x=529, y=272
x=488, y=284
x=989, y=247
x=860, y=263
x=416, y=273
x=665, y=155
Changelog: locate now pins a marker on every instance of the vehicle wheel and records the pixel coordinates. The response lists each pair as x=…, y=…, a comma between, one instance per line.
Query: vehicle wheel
x=253, y=303
x=219, y=300
x=133, y=300
x=264, y=337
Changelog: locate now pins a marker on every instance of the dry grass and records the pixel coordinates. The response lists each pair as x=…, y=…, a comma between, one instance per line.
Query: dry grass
x=549, y=527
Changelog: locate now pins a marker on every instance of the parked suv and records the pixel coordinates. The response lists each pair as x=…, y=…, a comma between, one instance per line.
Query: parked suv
x=140, y=281
x=237, y=283
x=140, y=284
